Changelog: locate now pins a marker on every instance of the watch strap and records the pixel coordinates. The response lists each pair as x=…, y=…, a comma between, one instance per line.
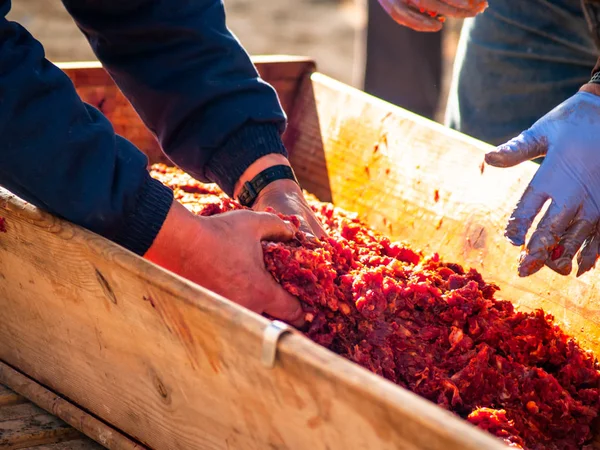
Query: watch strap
x=251, y=189
x=595, y=78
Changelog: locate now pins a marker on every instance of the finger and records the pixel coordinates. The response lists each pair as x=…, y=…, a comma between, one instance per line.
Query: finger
x=524, y=147
x=317, y=228
x=525, y=212
x=410, y=18
x=435, y=6
x=553, y=225
x=586, y=260
x=569, y=245
x=269, y=227
x=305, y=227
x=474, y=6
x=284, y=306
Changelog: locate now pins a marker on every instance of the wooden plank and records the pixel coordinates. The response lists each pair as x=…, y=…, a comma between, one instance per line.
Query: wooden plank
x=9, y=397
x=418, y=181
x=69, y=413
x=20, y=427
x=77, y=444
x=192, y=351
x=175, y=366
x=21, y=411
x=34, y=430
x=95, y=87
x=306, y=144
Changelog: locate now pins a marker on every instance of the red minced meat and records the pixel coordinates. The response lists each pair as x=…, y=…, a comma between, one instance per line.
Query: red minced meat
x=428, y=326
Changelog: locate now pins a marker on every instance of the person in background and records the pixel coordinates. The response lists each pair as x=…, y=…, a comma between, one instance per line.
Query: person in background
x=414, y=86
x=516, y=62
x=402, y=65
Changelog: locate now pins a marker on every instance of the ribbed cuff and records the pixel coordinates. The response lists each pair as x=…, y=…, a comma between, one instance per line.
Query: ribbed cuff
x=252, y=141
x=144, y=223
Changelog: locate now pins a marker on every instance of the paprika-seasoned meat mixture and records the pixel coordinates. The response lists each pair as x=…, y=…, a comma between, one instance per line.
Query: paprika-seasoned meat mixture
x=430, y=326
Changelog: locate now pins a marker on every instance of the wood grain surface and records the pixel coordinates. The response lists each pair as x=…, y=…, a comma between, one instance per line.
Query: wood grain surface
x=25, y=426
x=80, y=420
x=420, y=182
x=175, y=366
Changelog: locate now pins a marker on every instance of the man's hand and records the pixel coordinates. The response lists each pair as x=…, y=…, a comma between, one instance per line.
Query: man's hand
x=569, y=138
x=224, y=254
x=422, y=15
x=284, y=196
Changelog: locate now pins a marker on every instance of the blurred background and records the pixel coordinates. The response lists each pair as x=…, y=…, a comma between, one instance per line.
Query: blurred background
x=333, y=32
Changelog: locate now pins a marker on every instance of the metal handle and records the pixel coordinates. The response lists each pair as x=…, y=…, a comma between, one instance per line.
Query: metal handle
x=271, y=337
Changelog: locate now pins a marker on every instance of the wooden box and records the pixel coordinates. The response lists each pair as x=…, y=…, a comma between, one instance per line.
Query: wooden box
x=174, y=366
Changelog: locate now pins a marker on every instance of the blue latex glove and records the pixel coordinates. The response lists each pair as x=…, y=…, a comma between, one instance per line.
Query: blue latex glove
x=415, y=13
x=569, y=138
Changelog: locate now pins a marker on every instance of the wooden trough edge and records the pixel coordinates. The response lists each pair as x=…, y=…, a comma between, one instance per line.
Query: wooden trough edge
x=70, y=413
x=293, y=350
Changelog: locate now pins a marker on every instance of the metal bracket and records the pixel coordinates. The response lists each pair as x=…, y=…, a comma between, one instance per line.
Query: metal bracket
x=271, y=337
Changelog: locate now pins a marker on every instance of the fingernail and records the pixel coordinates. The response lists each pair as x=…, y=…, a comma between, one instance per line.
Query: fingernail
x=564, y=265
x=290, y=226
x=299, y=320
x=499, y=157
x=491, y=158
x=530, y=264
x=515, y=240
x=584, y=267
x=585, y=263
x=514, y=235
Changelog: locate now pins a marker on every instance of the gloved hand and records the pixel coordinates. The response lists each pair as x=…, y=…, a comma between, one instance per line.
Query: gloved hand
x=428, y=15
x=569, y=138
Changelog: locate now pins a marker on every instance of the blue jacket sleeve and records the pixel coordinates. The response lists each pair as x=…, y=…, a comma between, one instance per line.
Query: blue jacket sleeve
x=63, y=155
x=190, y=80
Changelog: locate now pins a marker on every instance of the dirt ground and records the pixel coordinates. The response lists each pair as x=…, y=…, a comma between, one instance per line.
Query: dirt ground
x=329, y=31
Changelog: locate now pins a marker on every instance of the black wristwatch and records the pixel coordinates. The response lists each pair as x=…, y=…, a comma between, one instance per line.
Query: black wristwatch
x=595, y=78
x=251, y=189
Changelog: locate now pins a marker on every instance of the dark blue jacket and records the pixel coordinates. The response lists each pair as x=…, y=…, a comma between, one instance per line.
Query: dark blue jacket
x=187, y=76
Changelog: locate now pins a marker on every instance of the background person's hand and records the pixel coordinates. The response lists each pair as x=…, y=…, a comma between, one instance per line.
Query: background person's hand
x=420, y=15
x=224, y=254
x=569, y=138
